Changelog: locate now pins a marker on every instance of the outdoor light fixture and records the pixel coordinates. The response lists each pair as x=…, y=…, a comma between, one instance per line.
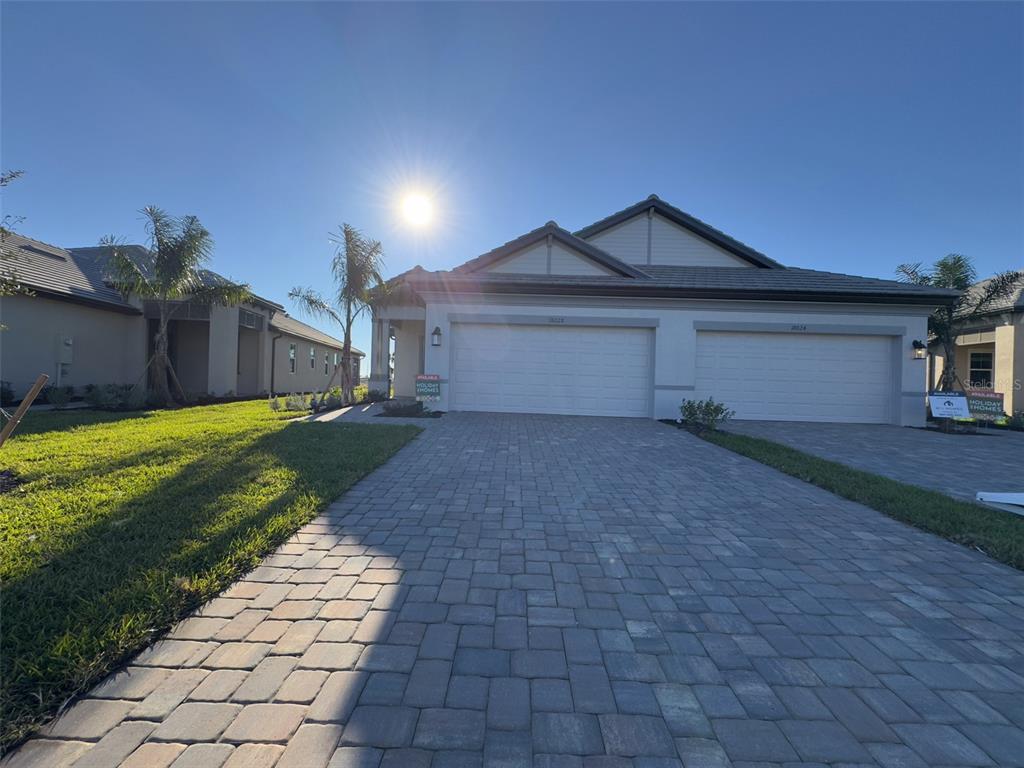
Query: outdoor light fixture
x=435, y=337
x=920, y=349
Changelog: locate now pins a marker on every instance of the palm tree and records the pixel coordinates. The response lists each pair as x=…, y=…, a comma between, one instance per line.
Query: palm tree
x=356, y=266
x=172, y=271
x=956, y=271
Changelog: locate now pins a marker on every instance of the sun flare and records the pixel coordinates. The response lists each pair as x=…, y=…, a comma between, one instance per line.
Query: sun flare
x=417, y=209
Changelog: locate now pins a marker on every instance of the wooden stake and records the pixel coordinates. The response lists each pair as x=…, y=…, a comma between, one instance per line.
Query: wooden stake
x=23, y=407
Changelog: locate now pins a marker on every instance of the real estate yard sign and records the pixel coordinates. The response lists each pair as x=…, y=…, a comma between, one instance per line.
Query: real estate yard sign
x=985, y=405
x=949, y=405
x=428, y=387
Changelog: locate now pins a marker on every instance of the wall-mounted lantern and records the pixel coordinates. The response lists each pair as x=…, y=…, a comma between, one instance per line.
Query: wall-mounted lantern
x=920, y=349
x=392, y=334
x=435, y=337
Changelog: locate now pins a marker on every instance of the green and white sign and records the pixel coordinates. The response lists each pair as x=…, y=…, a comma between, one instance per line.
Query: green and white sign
x=428, y=387
x=985, y=405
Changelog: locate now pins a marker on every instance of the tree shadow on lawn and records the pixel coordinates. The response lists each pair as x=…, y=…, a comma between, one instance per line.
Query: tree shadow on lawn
x=70, y=621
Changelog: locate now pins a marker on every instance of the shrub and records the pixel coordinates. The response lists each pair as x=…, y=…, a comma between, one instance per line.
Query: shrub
x=275, y=404
x=360, y=394
x=58, y=397
x=1016, y=421
x=376, y=395
x=117, y=397
x=399, y=408
x=296, y=403
x=704, y=415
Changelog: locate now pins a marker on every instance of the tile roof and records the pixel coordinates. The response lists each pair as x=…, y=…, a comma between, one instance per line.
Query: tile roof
x=287, y=324
x=563, y=236
x=47, y=269
x=1013, y=302
x=694, y=282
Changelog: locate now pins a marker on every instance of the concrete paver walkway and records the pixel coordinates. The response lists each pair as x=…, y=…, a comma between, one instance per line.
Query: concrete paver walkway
x=532, y=590
x=957, y=465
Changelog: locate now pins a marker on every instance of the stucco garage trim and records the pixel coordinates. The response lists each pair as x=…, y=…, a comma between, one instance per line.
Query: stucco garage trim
x=554, y=319
x=815, y=328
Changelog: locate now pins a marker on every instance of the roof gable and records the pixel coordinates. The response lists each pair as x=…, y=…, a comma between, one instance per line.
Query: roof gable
x=550, y=250
x=686, y=222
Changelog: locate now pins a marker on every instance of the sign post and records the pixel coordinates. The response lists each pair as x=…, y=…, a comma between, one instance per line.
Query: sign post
x=428, y=387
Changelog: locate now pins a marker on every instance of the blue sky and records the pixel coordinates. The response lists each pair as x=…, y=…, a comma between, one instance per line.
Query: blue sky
x=844, y=137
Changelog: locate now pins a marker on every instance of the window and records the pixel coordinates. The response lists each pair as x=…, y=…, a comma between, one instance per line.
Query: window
x=981, y=370
x=326, y=364
x=291, y=358
x=312, y=356
x=335, y=361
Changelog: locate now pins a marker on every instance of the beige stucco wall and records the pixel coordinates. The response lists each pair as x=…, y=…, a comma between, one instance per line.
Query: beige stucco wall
x=1006, y=342
x=305, y=378
x=249, y=354
x=108, y=347
x=409, y=343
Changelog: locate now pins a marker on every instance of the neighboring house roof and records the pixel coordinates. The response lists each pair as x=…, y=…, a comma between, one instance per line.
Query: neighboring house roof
x=289, y=325
x=60, y=273
x=563, y=236
x=686, y=221
x=1012, y=302
x=792, y=284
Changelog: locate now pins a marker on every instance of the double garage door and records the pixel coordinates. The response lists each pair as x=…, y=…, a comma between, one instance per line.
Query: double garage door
x=606, y=371
x=576, y=370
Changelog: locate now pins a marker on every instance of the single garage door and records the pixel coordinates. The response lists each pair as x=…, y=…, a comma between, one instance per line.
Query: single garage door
x=797, y=377
x=578, y=370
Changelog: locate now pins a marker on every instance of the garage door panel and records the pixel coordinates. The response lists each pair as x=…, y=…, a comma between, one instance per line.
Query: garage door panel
x=541, y=369
x=799, y=377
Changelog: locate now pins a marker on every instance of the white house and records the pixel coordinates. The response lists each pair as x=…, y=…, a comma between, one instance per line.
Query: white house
x=646, y=307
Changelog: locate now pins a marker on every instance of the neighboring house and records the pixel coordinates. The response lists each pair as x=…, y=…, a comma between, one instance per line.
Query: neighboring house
x=990, y=351
x=80, y=331
x=632, y=314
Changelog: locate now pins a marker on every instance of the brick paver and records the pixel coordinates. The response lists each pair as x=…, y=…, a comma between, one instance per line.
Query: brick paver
x=517, y=590
x=957, y=465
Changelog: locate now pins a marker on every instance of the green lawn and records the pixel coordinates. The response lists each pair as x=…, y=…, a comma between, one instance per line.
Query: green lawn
x=125, y=522
x=998, y=534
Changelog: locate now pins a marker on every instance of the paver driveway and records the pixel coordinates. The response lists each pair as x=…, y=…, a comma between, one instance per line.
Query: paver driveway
x=957, y=465
x=517, y=590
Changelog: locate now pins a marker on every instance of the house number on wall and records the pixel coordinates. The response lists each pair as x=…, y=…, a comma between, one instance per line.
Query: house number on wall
x=556, y=319
x=798, y=327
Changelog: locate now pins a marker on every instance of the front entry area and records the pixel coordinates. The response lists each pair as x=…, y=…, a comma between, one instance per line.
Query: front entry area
x=798, y=377
x=575, y=370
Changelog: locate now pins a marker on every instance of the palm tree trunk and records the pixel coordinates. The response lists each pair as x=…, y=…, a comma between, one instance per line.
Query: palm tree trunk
x=346, y=357
x=161, y=362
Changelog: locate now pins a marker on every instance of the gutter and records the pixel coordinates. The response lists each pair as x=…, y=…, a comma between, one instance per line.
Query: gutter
x=694, y=293
x=273, y=355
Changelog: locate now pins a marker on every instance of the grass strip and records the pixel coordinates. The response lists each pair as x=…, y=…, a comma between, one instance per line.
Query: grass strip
x=123, y=523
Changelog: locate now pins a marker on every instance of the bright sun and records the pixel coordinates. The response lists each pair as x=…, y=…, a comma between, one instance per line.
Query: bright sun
x=417, y=209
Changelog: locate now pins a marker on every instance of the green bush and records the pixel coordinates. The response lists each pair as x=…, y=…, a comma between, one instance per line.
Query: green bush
x=398, y=408
x=275, y=404
x=296, y=403
x=360, y=394
x=58, y=397
x=704, y=415
x=376, y=395
x=116, y=397
x=1016, y=421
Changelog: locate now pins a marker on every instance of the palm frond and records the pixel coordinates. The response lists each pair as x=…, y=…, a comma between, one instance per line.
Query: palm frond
x=124, y=273
x=224, y=294
x=312, y=303
x=981, y=297
x=954, y=271
x=913, y=273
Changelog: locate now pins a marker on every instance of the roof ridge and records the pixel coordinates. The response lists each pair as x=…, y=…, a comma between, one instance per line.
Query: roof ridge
x=688, y=221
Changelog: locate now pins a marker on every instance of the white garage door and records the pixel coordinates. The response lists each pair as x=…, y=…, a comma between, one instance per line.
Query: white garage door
x=551, y=369
x=797, y=377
